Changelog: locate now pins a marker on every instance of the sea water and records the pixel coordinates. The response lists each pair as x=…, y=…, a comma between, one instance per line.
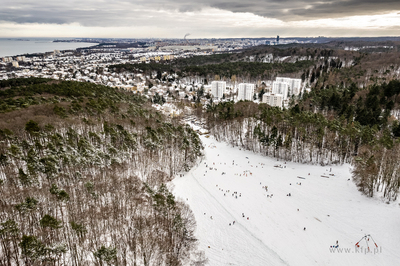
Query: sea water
x=21, y=46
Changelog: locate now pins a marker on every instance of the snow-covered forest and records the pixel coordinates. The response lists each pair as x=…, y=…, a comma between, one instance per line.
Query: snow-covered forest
x=86, y=185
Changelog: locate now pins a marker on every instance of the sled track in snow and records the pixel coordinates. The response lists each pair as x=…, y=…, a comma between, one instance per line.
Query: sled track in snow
x=266, y=248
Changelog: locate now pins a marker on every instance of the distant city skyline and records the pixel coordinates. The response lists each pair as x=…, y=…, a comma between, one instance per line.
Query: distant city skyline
x=208, y=19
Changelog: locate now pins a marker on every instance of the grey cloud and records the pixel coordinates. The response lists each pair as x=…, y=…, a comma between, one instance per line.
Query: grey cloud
x=139, y=12
x=309, y=9
x=346, y=8
x=64, y=12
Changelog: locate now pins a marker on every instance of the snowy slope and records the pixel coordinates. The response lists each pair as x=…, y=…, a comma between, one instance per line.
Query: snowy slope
x=330, y=208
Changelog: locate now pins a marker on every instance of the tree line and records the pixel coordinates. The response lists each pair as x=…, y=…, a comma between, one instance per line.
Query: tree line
x=226, y=69
x=312, y=137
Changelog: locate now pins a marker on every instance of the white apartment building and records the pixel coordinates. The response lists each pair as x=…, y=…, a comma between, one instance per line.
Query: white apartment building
x=273, y=99
x=246, y=91
x=7, y=59
x=279, y=87
x=294, y=84
x=280, y=79
x=218, y=89
x=21, y=58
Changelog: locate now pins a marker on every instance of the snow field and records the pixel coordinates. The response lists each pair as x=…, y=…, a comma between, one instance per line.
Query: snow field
x=330, y=208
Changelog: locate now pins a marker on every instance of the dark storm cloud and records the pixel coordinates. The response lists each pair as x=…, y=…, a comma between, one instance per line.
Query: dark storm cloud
x=347, y=8
x=309, y=9
x=139, y=12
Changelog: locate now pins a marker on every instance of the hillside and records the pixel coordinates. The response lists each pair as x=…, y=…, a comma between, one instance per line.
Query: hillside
x=83, y=170
x=324, y=209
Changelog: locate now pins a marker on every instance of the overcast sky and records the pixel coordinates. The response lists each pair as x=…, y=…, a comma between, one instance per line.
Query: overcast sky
x=201, y=18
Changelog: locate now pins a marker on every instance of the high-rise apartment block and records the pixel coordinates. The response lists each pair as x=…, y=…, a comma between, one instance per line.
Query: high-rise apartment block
x=246, y=91
x=294, y=85
x=273, y=99
x=282, y=88
x=218, y=89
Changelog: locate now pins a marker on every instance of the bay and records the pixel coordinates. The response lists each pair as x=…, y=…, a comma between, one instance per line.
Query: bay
x=20, y=46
